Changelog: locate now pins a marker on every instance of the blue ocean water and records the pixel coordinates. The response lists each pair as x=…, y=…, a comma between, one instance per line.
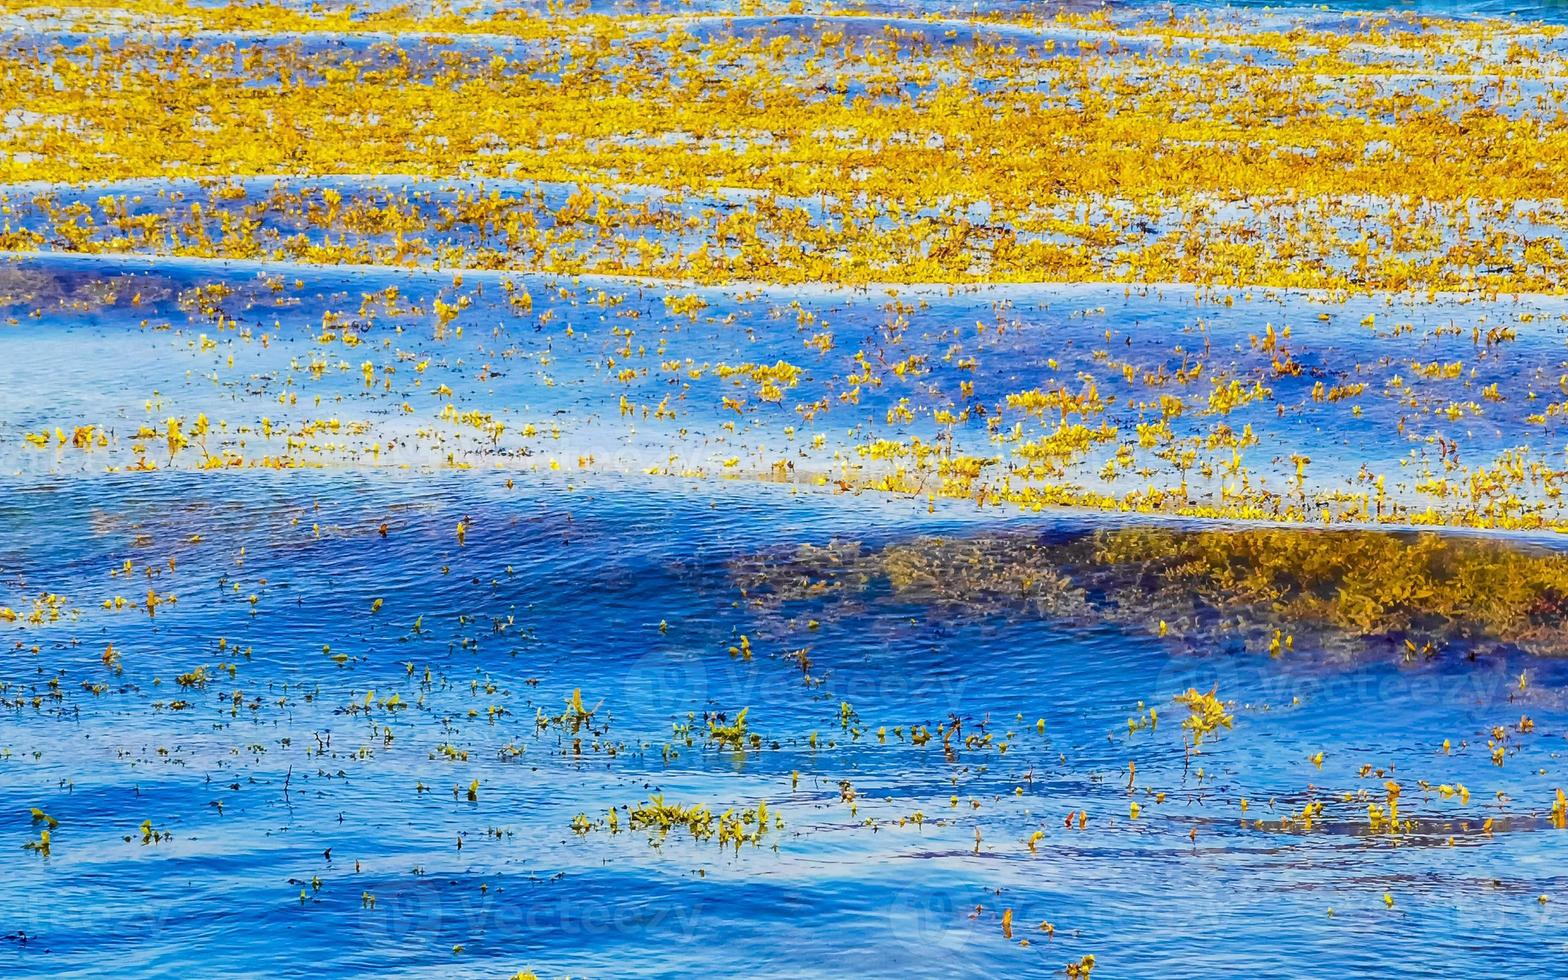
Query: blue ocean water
x=557, y=589
x=371, y=713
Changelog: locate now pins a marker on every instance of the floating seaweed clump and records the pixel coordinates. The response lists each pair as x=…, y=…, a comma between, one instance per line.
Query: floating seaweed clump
x=958, y=576
x=1428, y=589
x=1419, y=593
x=658, y=818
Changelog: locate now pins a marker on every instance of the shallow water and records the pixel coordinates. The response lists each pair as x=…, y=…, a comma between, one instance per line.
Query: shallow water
x=355, y=618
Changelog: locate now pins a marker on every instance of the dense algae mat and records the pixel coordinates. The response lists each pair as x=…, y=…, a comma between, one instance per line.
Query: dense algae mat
x=798, y=142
